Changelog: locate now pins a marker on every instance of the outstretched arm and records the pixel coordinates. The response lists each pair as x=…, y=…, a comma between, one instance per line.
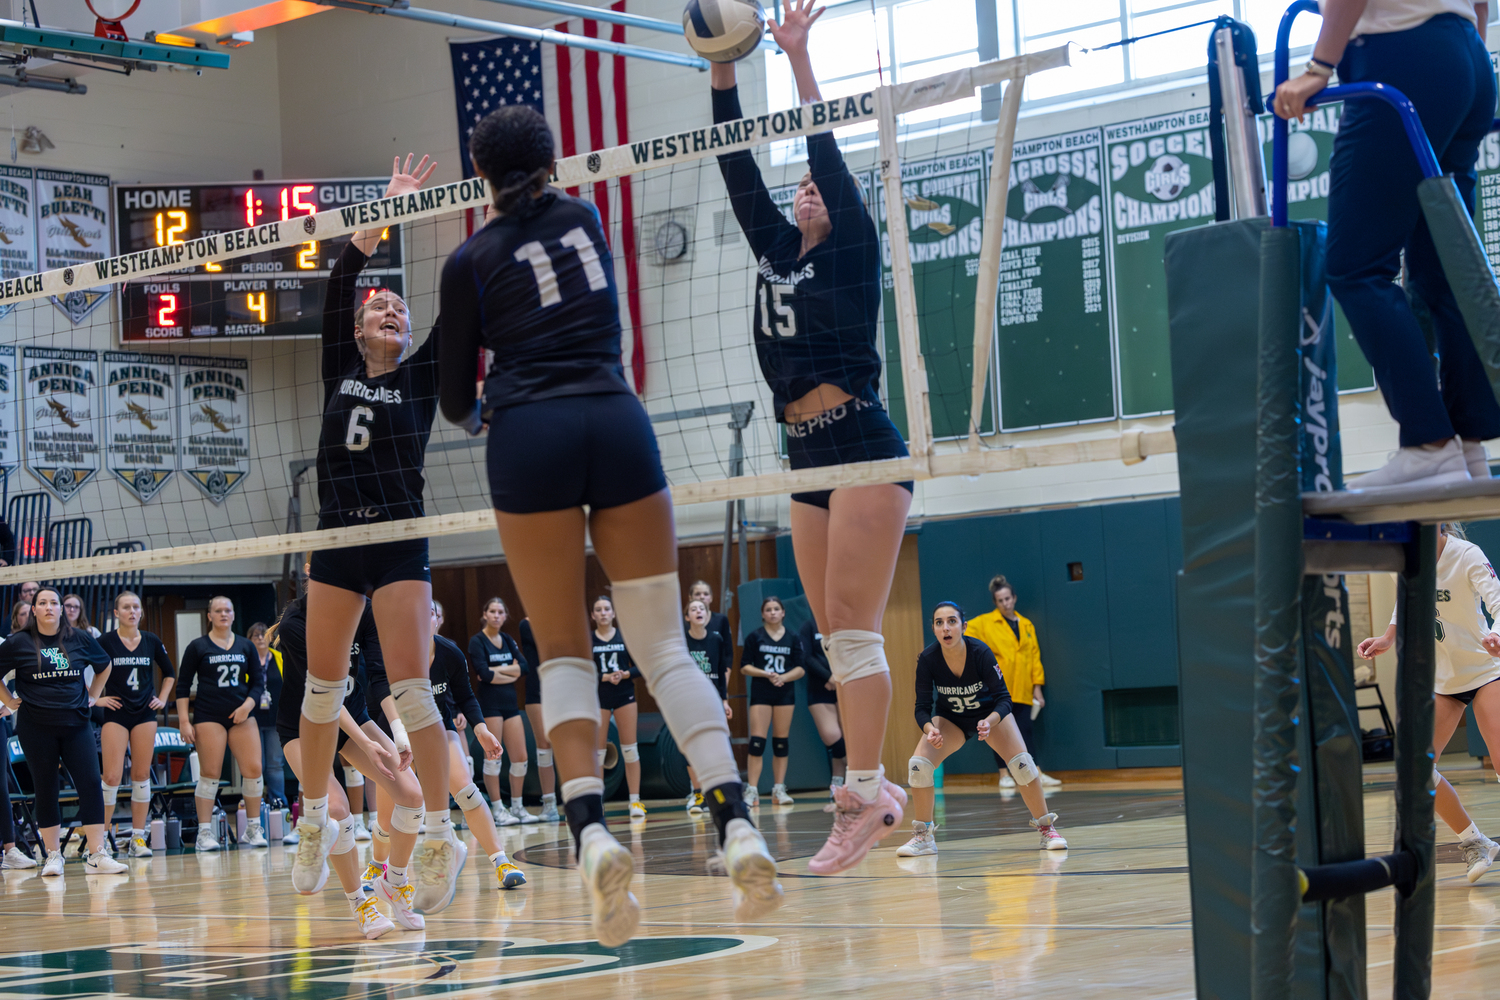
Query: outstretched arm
x=404, y=180
x=791, y=35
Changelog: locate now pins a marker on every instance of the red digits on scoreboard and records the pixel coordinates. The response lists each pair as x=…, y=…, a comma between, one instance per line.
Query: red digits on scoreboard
x=167, y=314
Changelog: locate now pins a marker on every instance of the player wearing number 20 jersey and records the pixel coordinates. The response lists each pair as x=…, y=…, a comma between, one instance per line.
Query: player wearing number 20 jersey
x=132, y=678
x=962, y=700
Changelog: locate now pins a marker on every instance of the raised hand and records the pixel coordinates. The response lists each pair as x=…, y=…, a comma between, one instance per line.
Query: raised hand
x=796, y=21
x=405, y=180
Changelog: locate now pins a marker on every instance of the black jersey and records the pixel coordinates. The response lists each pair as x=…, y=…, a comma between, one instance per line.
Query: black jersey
x=291, y=641
x=814, y=660
x=449, y=671
x=774, y=656
x=970, y=697
x=529, y=654
x=611, y=655
x=226, y=677
x=132, y=678
x=713, y=658
x=814, y=314
x=485, y=656
x=51, y=685
x=536, y=287
x=720, y=624
x=373, y=442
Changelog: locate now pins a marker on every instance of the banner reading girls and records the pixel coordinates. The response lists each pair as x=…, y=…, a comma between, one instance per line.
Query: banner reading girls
x=213, y=404
x=62, y=432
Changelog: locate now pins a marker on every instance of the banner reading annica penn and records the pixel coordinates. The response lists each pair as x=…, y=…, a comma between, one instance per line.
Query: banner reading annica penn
x=62, y=429
x=140, y=440
x=214, y=403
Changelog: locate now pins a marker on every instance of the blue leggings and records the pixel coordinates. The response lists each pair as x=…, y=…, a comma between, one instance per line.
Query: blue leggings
x=1373, y=214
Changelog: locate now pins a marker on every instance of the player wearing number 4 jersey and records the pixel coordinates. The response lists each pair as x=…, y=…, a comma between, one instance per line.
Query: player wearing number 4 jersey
x=130, y=704
x=961, y=695
x=571, y=451
x=379, y=400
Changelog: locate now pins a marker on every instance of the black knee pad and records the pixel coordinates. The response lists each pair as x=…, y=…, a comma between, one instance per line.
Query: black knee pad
x=780, y=746
x=836, y=750
x=757, y=746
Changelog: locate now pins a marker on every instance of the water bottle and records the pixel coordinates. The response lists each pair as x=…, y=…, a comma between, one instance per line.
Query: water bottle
x=158, y=835
x=240, y=822
x=193, y=765
x=221, y=826
x=173, y=833
x=275, y=824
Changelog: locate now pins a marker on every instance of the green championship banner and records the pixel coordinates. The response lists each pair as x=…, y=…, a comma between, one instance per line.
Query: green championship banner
x=1309, y=149
x=1160, y=180
x=943, y=206
x=1055, y=304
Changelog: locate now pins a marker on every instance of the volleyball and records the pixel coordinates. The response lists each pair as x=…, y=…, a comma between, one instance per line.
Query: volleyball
x=723, y=30
x=1301, y=155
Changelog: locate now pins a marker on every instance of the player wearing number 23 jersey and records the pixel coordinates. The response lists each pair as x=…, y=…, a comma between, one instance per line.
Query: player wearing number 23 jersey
x=226, y=677
x=132, y=678
x=962, y=700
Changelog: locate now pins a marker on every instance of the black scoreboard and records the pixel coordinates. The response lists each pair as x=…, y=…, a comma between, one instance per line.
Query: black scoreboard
x=278, y=293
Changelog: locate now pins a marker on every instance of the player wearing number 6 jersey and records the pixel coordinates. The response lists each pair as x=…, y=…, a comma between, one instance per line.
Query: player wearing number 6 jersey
x=379, y=400
x=960, y=695
x=130, y=704
x=571, y=450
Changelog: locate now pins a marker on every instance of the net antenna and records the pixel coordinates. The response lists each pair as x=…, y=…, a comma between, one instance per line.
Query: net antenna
x=457, y=487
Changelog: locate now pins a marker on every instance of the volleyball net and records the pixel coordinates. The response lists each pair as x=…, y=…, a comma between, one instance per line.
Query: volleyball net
x=133, y=457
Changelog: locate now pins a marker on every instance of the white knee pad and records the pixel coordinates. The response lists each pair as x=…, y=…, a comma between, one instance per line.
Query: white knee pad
x=406, y=819
x=518, y=768
x=544, y=758
x=468, y=798
x=919, y=772
x=353, y=778
x=140, y=791
x=322, y=699
x=252, y=786
x=345, y=842
x=111, y=794
x=492, y=767
x=208, y=788
x=1023, y=768
x=570, y=691
x=599, y=756
x=379, y=834
x=652, y=606
x=631, y=752
x=853, y=654
x=414, y=703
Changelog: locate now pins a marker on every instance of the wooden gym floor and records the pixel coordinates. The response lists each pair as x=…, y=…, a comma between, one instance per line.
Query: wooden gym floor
x=990, y=916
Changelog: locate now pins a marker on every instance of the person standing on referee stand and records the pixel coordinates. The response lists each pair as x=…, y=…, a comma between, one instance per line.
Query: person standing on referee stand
x=380, y=398
x=818, y=295
x=1433, y=52
x=1012, y=638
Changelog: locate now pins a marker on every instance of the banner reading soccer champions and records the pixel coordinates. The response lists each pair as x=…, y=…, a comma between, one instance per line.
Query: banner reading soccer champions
x=214, y=407
x=62, y=437
x=139, y=444
x=1160, y=180
x=73, y=224
x=1054, y=301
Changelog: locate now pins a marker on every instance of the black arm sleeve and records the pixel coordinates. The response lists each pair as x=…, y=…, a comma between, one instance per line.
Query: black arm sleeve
x=479, y=658
x=814, y=661
x=725, y=653
x=458, y=303
x=369, y=648
x=750, y=651
x=460, y=691
x=291, y=640
x=188, y=670
x=758, y=215
x=255, y=673
x=923, y=708
x=528, y=647
x=839, y=190
x=340, y=352
x=631, y=669
x=521, y=661
x=161, y=657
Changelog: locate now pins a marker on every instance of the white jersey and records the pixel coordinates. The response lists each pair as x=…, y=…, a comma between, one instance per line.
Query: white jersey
x=1464, y=579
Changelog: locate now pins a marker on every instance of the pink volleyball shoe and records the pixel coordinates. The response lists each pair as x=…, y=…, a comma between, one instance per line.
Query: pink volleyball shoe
x=857, y=826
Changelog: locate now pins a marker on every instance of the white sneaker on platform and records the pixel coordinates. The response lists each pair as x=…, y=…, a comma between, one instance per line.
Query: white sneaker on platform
x=780, y=797
x=205, y=841
x=922, y=842
x=1479, y=855
x=1477, y=460
x=53, y=864
x=361, y=832
x=518, y=812
x=1424, y=465
x=254, y=835
x=606, y=869
x=504, y=817
x=103, y=864
x=15, y=858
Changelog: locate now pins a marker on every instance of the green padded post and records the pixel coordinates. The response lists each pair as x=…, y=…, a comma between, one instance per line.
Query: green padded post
x=1467, y=268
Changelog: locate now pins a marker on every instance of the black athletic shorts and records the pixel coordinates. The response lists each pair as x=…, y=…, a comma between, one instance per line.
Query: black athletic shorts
x=129, y=717
x=817, y=694
x=498, y=699
x=1467, y=697
x=856, y=431
x=572, y=451
x=366, y=568
x=970, y=726
x=763, y=692
x=199, y=718
x=613, y=696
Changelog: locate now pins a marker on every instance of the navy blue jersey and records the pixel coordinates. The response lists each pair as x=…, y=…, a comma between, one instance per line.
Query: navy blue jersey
x=226, y=677
x=291, y=640
x=50, y=685
x=971, y=696
x=611, y=655
x=485, y=655
x=814, y=659
x=814, y=314
x=714, y=658
x=774, y=656
x=373, y=442
x=449, y=670
x=132, y=677
x=536, y=287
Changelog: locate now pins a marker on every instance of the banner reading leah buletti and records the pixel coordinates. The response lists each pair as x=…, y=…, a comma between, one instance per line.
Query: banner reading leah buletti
x=213, y=404
x=10, y=413
x=74, y=229
x=140, y=440
x=62, y=435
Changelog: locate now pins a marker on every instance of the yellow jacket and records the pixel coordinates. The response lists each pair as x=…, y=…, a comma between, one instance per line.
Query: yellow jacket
x=1020, y=659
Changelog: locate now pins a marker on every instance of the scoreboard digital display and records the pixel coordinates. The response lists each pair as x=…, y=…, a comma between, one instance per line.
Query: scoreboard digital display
x=277, y=293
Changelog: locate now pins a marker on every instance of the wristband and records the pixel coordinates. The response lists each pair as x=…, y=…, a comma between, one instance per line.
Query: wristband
x=1328, y=65
x=398, y=735
x=1315, y=68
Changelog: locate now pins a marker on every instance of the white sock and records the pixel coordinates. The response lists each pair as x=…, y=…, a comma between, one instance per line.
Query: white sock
x=634, y=799
x=498, y=858
x=549, y=799
x=355, y=898
x=137, y=833
x=866, y=784
x=395, y=876
x=439, y=827
x=1472, y=833
x=316, y=810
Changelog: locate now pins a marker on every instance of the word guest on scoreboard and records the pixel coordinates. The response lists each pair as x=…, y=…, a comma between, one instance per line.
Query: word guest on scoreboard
x=278, y=293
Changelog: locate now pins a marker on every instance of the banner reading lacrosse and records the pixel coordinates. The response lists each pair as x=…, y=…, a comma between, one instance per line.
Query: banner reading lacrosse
x=1054, y=300
x=74, y=228
x=62, y=437
x=10, y=413
x=214, y=404
x=140, y=445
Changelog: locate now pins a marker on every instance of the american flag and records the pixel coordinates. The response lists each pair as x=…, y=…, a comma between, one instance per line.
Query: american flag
x=587, y=109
